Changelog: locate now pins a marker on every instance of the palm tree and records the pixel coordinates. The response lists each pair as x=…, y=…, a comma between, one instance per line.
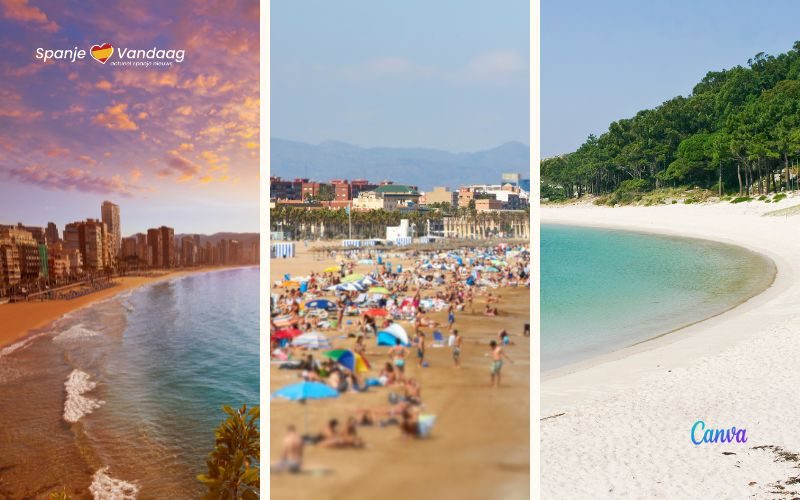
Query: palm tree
x=232, y=473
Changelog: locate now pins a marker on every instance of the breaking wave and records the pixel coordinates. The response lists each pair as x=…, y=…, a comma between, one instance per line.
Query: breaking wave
x=105, y=487
x=77, y=405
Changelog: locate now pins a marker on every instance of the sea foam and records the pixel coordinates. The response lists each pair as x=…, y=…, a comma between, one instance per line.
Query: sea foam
x=74, y=333
x=77, y=405
x=105, y=487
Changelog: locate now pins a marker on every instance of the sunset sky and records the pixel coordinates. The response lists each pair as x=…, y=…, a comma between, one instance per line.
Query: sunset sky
x=174, y=146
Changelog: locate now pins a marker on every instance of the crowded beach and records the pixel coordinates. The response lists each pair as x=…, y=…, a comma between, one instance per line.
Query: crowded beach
x=372, y=327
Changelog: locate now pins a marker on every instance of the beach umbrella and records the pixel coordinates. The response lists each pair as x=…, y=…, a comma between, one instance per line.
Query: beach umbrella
x=366, y=261
x=290, y=283
x=379, y=290
x=331, y=269
x=395, y=331
x=369, y=280
x=312, y=340
x=321, y=304
x=350, y=287
x=349, y=359
x=491, y=269
x=303, y=391
x=376, y=312
x=352, y=278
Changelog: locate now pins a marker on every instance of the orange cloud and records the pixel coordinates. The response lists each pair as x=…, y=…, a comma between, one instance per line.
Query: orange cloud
x=184, y=110
x=19, y=10
x=116, y=118
x=103, y=85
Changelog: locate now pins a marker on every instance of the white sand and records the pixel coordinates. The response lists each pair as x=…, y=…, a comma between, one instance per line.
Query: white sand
x=625, y=432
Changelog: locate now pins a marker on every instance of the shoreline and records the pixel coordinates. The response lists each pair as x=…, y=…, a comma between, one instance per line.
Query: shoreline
x=607, y=372
x=611, y=416
x=647, y=343
x=22, y=319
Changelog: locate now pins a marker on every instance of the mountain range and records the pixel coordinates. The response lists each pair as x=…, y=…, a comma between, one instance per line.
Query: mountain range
x=421, y=167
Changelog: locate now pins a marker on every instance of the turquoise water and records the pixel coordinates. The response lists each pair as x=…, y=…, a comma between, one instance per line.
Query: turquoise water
x=602, y=290
x=164, y=358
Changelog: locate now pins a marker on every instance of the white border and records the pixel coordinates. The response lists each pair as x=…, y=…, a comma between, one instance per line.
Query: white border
x=263, y=161
x=535, y=411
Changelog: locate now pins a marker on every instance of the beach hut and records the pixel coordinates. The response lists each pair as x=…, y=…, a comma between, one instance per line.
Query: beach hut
x=282, y=250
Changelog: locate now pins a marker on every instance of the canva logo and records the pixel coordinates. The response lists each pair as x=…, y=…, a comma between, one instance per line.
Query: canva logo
x=102, y=53
x=702, y=435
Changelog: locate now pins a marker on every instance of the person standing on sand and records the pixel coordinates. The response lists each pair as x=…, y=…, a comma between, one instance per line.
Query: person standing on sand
x=398, y=356
x=451, y=316
x=421, y=349
x=497, y=362
x=456, y=349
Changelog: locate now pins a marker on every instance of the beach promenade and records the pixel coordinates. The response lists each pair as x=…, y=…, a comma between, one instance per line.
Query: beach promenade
x=620, y=425
x=479, y=446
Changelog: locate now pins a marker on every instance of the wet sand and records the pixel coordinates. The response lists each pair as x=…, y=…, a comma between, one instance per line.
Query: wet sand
x=479, y=447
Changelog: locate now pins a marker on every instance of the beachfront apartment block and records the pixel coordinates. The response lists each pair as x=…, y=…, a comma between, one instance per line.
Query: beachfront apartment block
x=109, y=214
x=91, y=239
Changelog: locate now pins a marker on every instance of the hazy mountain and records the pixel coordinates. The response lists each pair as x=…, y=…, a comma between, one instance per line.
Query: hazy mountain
x=216, y=237
x=425, y=168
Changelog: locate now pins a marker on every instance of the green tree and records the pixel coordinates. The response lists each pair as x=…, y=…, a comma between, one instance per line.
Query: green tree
x=233, y=465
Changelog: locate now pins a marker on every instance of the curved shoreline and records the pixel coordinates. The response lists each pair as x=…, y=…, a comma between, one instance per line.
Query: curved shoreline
x=628, y=348
x=605, y=373
x=24, y=319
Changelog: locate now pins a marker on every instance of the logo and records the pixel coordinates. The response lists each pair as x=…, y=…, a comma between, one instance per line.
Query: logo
x=101, y=53
x=147, y=58
x=702, y=435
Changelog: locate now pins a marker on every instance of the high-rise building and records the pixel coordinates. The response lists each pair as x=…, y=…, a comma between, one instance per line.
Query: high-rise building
x=188, y=251
x=129, y=247
x=28, y=258
x=168, y=249
x=154, y=242
x=143, y=251
x=51, y=233
x=90, y=238
x=110, y=216
x=9, y=261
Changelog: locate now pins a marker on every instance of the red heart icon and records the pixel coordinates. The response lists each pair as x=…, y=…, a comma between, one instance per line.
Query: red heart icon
x=102, y=52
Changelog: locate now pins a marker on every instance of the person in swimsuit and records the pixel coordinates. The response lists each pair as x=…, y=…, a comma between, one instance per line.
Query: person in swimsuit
x=398, y=356
x=497, y=362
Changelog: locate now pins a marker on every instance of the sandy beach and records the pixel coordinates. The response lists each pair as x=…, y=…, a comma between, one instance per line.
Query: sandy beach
x=20, y=318
x=619, y=425
x=479, y=445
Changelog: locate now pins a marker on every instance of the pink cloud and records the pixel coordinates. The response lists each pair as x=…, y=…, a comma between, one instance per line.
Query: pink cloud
x=71, y=179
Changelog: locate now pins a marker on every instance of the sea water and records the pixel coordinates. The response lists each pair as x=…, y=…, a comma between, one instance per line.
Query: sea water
x=123, y=397
x=603, y=290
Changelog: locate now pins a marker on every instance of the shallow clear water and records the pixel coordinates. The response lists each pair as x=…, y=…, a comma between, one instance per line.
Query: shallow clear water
x=602, y=290
x=164, y=358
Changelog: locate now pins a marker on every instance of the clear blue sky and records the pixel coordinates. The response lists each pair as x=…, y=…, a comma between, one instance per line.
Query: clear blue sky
x=451, y=74
x=602, y=61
